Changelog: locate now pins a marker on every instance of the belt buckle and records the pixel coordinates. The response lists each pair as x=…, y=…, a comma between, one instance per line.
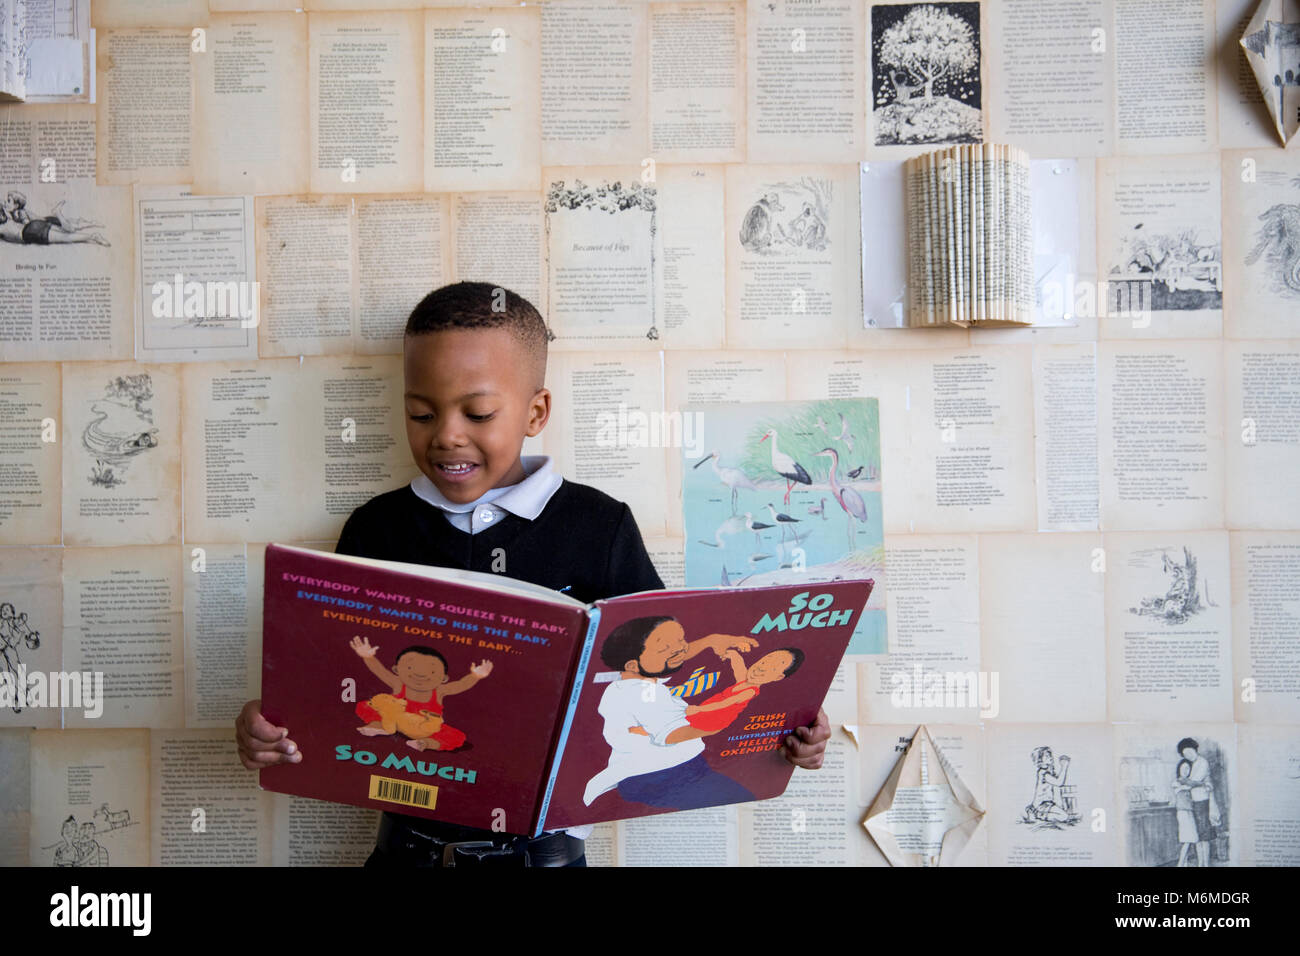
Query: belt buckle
x=449, y=849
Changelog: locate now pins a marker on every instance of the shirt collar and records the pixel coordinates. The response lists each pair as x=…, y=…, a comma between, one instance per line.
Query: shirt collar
x=525, y=499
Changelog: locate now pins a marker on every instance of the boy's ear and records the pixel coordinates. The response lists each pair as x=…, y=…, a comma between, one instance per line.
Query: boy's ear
x=539, y=412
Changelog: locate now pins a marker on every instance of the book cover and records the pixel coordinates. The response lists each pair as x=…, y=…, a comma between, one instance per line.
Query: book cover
x=684, y=700
x=422, y=696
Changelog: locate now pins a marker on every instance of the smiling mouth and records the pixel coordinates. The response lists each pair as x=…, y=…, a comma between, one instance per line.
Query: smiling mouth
x=455, y=470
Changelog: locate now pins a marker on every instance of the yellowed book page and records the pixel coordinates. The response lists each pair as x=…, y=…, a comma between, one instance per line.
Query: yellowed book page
x=378, y=4
x=593, y=79
x=1261, y=252
x=601, y=225
x=841, y=702
x=1177, y=813
x=1042, y=623
x=972, y=440
x=355, y=438
x=220, y=657
x=608, y=429
x=110, y=14
x=73, y=303
x=1051, y=795
x=696, y=94
x=31, y=627
x=929, y=75
x=690, y=285
x=1051, y=76
x=1265, y=626
x=932, y=670
x=691, y=838
x=1065, y=436
x=90, y=798
x=245, y=437
x=815, y=822
x=793, y=256
x=602, y=845
x=807, y=81
x=251, y=129
x=122, y=623
x=1159, y=247
x=1168, y=626
x=146, y=105
x=315, y=833
x=713, y=378
x=30, y=399
x=365, y=102
x=860, y=374
x=498, y=238
x=1166, y=97
x=668, y=556
x=1244, y=120
x=197, y=296
x=235, y=6
x=403, y=254
x=1270, y=765
x=1262, y=455
x=883, y=745
x=305, y=261
x=1161, y=424
x=121, y=453
x=15, y=797
x=206, y=809
x=482, y=99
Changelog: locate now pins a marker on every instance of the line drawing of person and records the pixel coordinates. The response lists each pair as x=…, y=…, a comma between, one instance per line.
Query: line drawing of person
x=1183, y=810
x=19, y=226
x=665, y=766
x=1048, y=807
x=1205, y=809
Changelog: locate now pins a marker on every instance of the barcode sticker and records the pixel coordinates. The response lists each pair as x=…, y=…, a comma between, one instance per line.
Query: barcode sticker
x=403, y=792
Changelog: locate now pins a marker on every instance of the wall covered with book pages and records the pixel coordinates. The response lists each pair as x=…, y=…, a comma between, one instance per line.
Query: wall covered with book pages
x=1087, y=523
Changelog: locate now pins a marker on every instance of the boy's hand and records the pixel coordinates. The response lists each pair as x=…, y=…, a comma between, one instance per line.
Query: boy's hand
x=481, y=670
x=261, y=743
x=362, y=646
x=806, y=749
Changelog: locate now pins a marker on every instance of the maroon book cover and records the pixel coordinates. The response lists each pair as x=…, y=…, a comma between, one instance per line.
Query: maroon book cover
x=411, y=693
x=683, y=699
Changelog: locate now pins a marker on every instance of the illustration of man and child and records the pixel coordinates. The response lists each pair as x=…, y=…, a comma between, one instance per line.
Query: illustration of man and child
x=1196, y=809
x=419, y=683
x=656, y=738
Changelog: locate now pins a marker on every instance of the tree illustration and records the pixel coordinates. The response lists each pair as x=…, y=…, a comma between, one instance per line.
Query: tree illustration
x=930, y=44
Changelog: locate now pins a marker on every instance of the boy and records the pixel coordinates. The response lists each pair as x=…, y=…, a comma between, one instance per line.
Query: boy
x=474, y=362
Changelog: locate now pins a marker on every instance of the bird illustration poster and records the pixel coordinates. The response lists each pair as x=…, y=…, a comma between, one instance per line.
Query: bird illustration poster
x=784, y=492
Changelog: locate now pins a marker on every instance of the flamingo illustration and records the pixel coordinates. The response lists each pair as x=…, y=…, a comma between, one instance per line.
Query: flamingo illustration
x=785, y=466
x=849, y=499
x=733, y=478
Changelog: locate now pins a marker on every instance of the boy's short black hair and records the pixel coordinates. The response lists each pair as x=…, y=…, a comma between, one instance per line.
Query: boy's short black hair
x=417, y=649
x=1188, y=742
x=627, y=641
x=482, y=305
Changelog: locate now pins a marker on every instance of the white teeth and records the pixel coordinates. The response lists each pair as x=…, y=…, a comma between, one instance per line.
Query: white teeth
x=456, y=469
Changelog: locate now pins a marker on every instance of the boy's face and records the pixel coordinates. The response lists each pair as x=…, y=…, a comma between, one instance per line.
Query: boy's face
x=420, y=671
x=769, y=667
x=470, y=402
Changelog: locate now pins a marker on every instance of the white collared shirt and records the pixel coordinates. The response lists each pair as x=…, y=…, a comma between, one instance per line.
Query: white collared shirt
x=526, y=498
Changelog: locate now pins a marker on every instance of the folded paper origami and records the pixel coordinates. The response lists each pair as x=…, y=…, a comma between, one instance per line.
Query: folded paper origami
x=924, y=815
x=1272, y=44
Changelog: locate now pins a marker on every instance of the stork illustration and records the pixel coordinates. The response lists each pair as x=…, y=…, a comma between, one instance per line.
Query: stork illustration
x=785, y=466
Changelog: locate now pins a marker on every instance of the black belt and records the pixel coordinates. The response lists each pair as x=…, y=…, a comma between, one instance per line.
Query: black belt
x=440, y=844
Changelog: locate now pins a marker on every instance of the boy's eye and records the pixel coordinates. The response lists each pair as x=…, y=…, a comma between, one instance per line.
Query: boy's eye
x=479, y=418
x=421, y=418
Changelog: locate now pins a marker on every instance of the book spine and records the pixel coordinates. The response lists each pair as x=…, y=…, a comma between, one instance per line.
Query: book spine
x=579, y=678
